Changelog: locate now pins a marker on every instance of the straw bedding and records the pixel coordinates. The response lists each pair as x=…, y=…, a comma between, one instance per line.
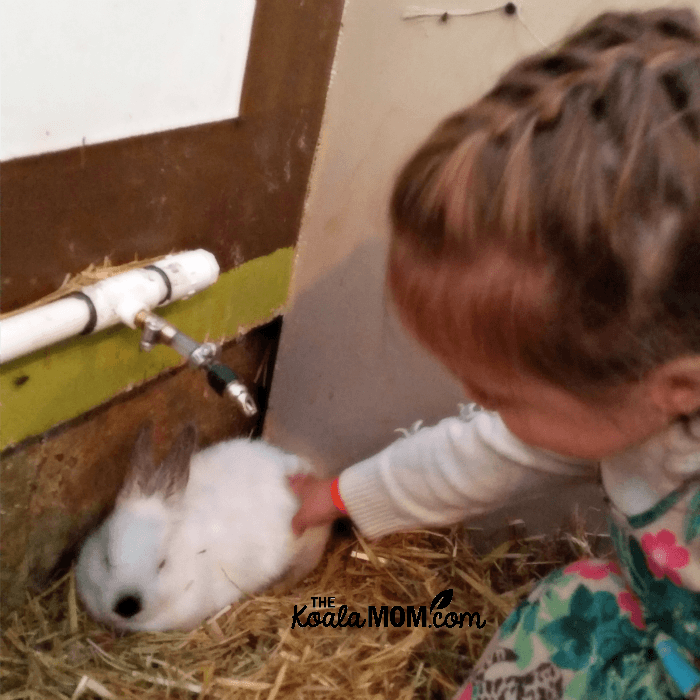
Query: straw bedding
x=51, y=649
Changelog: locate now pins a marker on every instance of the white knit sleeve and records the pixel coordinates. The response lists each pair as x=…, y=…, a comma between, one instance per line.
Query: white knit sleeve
x=456, y=470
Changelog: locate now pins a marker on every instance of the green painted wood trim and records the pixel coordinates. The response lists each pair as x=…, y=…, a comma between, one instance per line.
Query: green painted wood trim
x=61, y=382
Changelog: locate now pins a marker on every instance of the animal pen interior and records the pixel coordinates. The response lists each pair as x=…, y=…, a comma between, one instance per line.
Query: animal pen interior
x=289, y=191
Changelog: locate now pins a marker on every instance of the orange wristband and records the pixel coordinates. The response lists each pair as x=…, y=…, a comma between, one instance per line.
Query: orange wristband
x=335, y=495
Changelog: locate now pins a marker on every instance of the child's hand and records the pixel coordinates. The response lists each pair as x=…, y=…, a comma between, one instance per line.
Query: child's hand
x=317, y=507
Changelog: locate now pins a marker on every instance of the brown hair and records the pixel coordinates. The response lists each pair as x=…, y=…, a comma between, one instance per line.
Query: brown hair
x=578, y=177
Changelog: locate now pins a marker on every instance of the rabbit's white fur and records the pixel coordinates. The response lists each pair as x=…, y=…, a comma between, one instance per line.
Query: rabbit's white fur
x=185, y=555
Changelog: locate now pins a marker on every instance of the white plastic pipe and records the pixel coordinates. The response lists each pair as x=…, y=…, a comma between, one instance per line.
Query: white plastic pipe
x=113, y=300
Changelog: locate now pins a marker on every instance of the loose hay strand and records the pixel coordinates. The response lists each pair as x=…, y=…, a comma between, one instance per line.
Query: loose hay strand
x=90, y=275
x=51, y=649
x=72, y=605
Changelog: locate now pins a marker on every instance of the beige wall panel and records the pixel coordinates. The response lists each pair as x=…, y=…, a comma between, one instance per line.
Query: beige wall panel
x=346, y=375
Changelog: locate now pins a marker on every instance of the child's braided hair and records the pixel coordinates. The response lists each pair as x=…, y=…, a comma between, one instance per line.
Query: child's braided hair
x=583, y=163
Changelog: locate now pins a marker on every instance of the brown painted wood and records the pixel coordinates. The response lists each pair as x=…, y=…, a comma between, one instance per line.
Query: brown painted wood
x=236, y=187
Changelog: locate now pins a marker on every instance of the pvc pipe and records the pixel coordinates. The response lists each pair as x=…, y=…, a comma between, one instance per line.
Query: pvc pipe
x=113, y=300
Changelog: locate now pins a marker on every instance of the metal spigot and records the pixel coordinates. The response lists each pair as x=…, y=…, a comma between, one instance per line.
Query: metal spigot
x=221, y=378
x=225, y=381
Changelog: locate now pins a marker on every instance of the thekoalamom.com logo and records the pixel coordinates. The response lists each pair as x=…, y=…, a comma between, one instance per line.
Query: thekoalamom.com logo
x=384, y=616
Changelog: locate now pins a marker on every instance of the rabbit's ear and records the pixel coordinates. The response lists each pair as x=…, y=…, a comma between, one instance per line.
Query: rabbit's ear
x=173, y=473
x=141, y=467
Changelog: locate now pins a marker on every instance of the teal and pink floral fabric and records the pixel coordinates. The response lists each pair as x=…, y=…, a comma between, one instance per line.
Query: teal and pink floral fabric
x=599, y=630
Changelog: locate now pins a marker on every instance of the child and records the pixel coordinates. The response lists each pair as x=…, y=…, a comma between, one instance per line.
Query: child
x=546, y=249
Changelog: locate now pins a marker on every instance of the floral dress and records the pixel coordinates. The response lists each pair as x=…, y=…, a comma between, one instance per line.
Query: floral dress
x=625, y=628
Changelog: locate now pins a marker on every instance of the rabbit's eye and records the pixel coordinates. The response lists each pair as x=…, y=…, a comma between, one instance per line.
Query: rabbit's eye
x=161, y=565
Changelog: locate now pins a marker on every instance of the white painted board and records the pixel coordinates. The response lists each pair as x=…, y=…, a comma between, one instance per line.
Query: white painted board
x=88, y=71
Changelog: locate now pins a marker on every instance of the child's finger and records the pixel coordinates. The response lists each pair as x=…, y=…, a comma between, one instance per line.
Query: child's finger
x=298, y=525
x=299, y=483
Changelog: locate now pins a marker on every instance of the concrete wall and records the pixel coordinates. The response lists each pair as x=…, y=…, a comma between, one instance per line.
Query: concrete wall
x=347, y=376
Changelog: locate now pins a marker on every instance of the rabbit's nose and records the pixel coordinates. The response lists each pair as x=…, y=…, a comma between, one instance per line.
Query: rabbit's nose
x=128, y=605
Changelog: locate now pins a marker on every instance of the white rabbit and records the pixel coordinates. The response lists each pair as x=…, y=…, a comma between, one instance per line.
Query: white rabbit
x=194, y=534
